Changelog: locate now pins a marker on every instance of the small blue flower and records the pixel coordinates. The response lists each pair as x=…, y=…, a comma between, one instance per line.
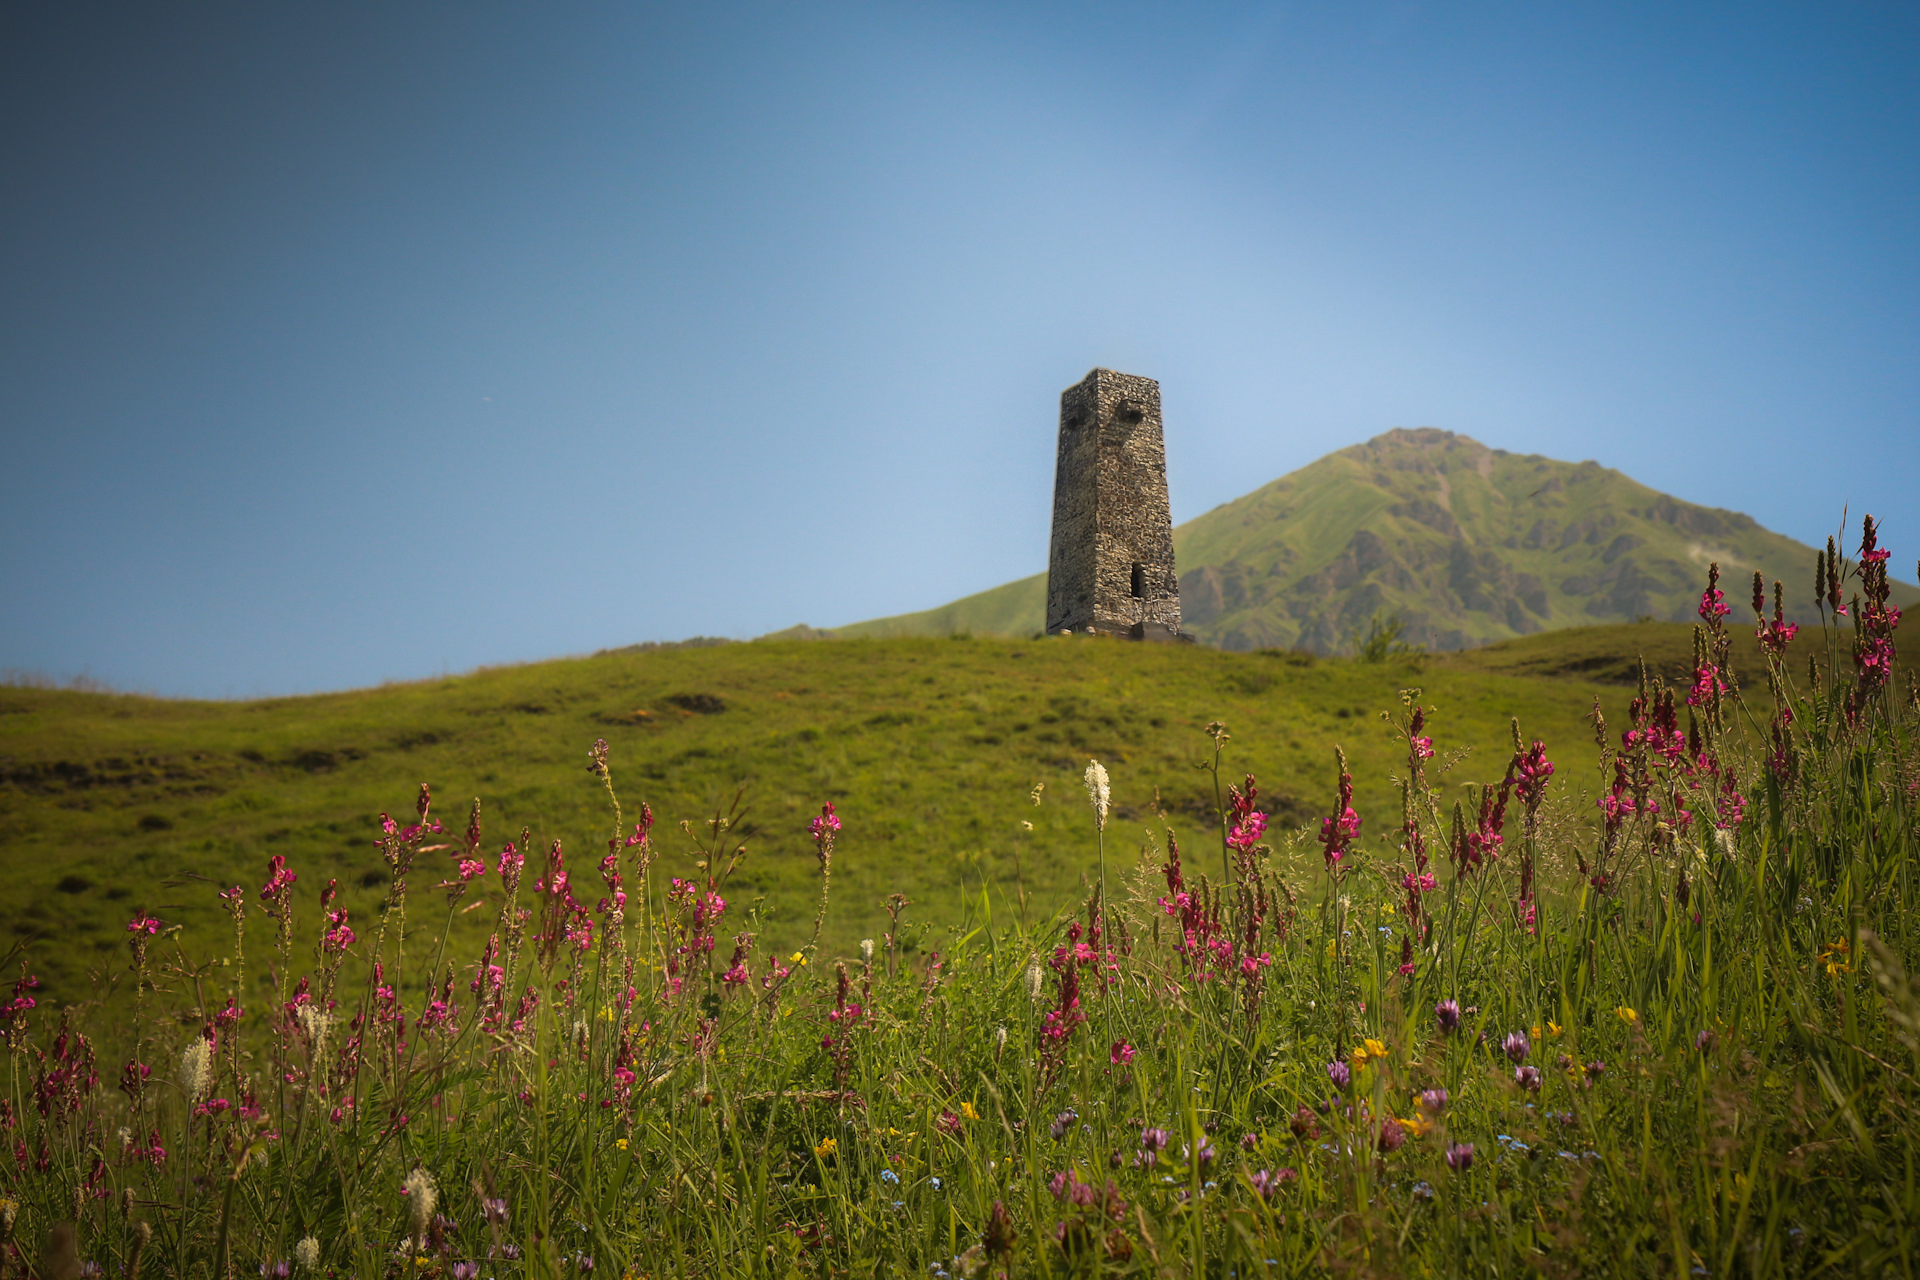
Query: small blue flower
x=936, y=1183
x=889, y=1177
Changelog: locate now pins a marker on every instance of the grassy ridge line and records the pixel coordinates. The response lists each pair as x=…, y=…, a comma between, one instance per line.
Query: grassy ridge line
x=110, y=803
x=1012, y=609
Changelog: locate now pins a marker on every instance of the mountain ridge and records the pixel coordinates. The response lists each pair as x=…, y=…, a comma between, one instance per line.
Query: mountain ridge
x=1463, y=543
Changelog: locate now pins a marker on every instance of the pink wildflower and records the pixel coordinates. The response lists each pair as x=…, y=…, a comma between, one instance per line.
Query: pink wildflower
x=1338, y=832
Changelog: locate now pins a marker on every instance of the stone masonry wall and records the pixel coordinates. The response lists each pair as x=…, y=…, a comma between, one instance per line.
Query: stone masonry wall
x=1110, y=511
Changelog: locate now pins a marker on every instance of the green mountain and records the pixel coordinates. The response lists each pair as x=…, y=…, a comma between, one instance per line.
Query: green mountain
x=1464, y=544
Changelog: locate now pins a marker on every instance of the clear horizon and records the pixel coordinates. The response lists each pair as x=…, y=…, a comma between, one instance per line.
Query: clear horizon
x=351, y=345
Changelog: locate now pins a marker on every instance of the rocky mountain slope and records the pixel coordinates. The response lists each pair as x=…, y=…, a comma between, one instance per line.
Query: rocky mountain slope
x=1464, y=544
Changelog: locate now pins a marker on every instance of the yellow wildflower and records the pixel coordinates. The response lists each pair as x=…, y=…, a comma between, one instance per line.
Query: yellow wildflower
x=1536, y=1031
x=621, y=1143
x=1553, y=1028
x=1626, y=1015
x=826, y=1148
x=1835, y=956
x=966, y=1109
x=798, y=957
x=1375, y=1049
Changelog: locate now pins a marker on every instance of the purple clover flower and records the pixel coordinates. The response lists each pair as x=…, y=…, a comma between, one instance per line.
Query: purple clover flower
x=1266, y=1184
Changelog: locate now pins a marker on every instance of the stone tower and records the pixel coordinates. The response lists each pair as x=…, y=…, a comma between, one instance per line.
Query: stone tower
x=1110, y=568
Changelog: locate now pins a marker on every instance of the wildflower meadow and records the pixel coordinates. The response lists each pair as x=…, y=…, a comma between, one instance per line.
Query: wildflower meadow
x=1657, y=1020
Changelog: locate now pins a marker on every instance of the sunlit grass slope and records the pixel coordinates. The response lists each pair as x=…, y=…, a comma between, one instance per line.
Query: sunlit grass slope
x=112, y=803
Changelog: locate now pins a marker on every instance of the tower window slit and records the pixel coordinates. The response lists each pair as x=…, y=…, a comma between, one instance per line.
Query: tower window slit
x=1139, y=581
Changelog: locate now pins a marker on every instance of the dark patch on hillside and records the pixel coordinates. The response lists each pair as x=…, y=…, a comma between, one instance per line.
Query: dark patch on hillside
x=324, y=760
x=114, y=773
x=700, y=704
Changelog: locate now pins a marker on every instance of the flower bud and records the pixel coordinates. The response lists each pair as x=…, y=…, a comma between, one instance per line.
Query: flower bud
x=422, y=1197
x=196, y=1069
x=1099, y=792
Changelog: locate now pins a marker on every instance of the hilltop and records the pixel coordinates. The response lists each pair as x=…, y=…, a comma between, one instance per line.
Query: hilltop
x=1465, y=544
x=113, y=803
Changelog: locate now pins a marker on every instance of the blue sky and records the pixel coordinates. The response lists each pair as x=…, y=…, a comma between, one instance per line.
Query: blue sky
x=350, y=343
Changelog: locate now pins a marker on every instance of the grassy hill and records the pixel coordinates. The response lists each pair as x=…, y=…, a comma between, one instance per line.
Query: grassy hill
x=112, y=803
x=1465, y=544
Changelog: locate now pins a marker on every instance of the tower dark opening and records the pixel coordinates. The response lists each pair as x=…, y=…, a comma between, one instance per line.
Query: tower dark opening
x=1139, y=581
